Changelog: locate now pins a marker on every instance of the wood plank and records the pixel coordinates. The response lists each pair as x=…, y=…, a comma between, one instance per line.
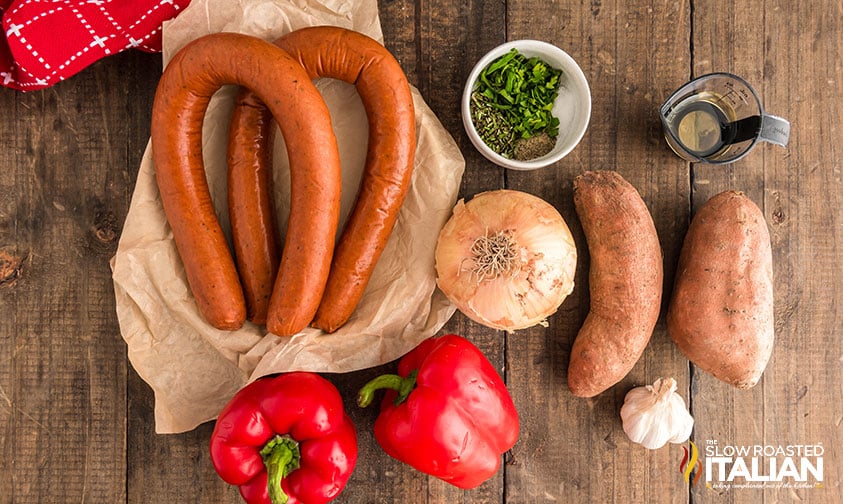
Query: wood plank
x=161, y=468
x=436, y=46
x=169, y=468
x=454, y=36
x=63, y=375
x=574, y=450
x=799, y=190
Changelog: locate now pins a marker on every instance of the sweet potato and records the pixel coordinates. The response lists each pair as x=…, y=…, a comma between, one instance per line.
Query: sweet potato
x=721, y=311
x=625, y=282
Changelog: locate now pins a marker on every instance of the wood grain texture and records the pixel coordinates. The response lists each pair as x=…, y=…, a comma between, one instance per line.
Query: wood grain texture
x=799, y=189
x=448, y=35
x=74, y=416
x=627, y=53
x=63, y=375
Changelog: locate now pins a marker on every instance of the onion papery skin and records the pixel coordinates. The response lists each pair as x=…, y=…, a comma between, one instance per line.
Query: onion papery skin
x=546, y=255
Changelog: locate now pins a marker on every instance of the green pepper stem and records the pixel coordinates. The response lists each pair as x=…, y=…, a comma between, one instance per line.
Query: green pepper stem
x=387, y=381
x=281, y=456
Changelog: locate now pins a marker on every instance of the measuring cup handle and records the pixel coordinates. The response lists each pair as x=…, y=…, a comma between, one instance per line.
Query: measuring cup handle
x=774, y=130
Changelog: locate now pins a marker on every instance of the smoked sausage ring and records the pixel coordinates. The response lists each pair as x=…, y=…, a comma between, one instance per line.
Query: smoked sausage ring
x=333, y=52
x=193, y=75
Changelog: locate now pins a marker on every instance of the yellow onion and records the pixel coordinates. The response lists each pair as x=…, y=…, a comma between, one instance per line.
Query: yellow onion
x=506, y=259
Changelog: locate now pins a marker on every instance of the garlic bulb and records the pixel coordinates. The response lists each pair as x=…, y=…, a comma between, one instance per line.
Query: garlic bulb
x=655, y=415
x=506, y=259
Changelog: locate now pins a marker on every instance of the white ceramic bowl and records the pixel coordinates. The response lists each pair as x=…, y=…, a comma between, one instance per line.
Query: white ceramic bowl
x=572, y=107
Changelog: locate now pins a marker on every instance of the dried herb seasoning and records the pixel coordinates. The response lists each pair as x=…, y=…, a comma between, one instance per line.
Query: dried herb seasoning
x=492, y=125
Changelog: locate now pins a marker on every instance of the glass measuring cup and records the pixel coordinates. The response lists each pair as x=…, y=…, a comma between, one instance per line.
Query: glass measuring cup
x=718, y=118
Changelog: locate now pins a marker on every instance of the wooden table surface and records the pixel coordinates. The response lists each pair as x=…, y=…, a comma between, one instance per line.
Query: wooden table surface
x=76, y=421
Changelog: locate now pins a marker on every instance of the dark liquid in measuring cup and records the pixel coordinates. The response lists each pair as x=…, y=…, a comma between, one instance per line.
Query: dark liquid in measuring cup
x=706, y=126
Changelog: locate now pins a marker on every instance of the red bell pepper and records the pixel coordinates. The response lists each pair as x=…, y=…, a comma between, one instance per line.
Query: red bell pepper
x=285, y=439
x=446, y=413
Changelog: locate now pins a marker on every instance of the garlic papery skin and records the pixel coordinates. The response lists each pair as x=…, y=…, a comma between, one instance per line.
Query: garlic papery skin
x=655, y=415
x=506, y=259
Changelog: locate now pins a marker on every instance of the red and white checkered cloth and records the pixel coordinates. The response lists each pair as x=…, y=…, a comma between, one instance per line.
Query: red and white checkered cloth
x=46, y=41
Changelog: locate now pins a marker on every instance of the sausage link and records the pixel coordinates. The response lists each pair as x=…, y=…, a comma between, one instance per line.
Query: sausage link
x=253, y=226
x=182, y=97
x=333, y=52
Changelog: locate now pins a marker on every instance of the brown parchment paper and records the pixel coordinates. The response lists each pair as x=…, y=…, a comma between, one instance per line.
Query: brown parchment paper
x=195, y=369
